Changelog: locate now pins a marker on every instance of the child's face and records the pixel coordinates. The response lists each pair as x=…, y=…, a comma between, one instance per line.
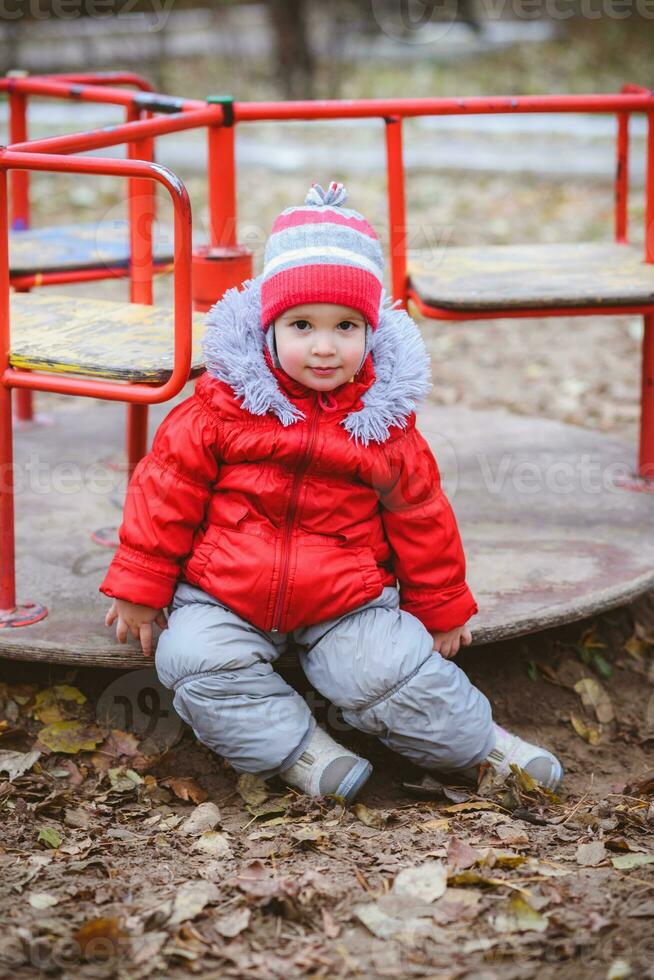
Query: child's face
x=316, y=335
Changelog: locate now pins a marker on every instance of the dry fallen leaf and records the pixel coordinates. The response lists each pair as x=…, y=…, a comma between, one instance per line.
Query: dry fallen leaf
x=619, y=970
x=461, y=855
x=58, y=703
x=70, y=737
x=519, y=916
x=425, y=882
x=50, y=837
x=254, y=879
x=186, y=789
x=206, y=816
x=623, y=862
x=214, y=843
x=124, y=780
x=371, y=818
x=251, y=789
x=191, y=898
x=232, y=923
x=511, y=833
x=330, y=927
x=591, y=854
x=42, y=900
x=385, y=925
x=100, y=937
x=471, y=806
x=594, y=695
x=587, y=732
x=438, y=823
x=15, y=764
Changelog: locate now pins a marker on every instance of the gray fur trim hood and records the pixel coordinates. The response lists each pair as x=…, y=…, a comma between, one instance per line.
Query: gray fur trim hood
x=234, y=343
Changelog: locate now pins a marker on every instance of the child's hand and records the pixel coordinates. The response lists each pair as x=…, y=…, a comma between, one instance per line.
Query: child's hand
x=137, y=619
x=447, y=644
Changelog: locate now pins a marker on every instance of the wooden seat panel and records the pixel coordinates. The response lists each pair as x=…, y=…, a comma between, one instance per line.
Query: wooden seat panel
x=508, y=277
x=91, y=245
x=97, y=338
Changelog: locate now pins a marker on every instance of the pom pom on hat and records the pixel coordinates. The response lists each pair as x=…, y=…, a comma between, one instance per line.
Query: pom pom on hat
x=322, y=252
x=335, y=194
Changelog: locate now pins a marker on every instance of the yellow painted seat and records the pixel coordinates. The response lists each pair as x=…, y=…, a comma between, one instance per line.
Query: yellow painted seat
x=97, y=338
x=484, y=278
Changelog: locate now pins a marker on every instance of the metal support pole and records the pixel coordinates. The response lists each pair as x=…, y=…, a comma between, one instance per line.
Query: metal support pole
x=646, y=442
x=396, y=208
x=141, y=206
x=622, y=179
x=223, y=263
x=222, y=186
x=20, y=209
x=11, y=614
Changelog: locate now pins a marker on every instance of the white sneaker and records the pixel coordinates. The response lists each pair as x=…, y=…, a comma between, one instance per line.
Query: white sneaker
x=326, y=767
x=536, y=761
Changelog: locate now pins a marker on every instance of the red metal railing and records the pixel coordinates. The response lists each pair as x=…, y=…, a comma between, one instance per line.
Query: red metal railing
x=20, y=209
x=138, y=394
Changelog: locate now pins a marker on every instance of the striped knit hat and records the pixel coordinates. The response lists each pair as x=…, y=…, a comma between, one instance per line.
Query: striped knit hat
x=322, y=253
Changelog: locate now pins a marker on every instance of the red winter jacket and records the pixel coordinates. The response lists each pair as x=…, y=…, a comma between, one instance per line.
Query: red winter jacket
x=288, y=505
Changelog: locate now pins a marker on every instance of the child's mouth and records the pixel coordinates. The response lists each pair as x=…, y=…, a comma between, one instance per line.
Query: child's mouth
x=323, y=372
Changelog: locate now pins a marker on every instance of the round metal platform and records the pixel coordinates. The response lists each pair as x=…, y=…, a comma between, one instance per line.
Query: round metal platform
x=549, y=535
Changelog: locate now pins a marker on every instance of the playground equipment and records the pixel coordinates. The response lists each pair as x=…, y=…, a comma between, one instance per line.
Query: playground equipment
x=536, y=557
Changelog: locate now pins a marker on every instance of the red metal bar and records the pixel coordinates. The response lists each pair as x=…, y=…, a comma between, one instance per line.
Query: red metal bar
x=7, y=569
x=37, y=279
x=19, y=180
x=98, y=139
x=649, y=191
x=10, y=613
x=221, y=186
x=103, y=78
x=632, y=97
x=646, y=436
x=622, y=179
x=141, y=199
x=112, y=391
x=444, y=313
x=20, y=215
x=359, y=108
x=622, y=166
x=47, y=86
x=396, y=208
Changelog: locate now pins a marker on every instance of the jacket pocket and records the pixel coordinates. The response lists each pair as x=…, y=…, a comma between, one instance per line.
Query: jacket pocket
x=371, y=573
x=201, y=554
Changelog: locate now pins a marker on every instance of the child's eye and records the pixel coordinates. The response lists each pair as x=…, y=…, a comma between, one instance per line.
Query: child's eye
x=347, y=323
x=300, y=323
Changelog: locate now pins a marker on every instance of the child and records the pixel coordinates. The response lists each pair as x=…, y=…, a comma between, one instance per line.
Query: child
x=285, y=499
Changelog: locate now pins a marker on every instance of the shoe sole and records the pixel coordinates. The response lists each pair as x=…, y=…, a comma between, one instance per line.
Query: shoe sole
x=356, y=778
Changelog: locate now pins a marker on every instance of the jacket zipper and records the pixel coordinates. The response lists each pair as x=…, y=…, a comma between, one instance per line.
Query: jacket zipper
x=290, y=517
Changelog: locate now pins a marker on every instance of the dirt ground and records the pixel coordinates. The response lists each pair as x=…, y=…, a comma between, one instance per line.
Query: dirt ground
x=120, y=859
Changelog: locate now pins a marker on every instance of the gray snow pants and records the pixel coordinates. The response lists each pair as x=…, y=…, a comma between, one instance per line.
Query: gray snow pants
x=376, y=663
